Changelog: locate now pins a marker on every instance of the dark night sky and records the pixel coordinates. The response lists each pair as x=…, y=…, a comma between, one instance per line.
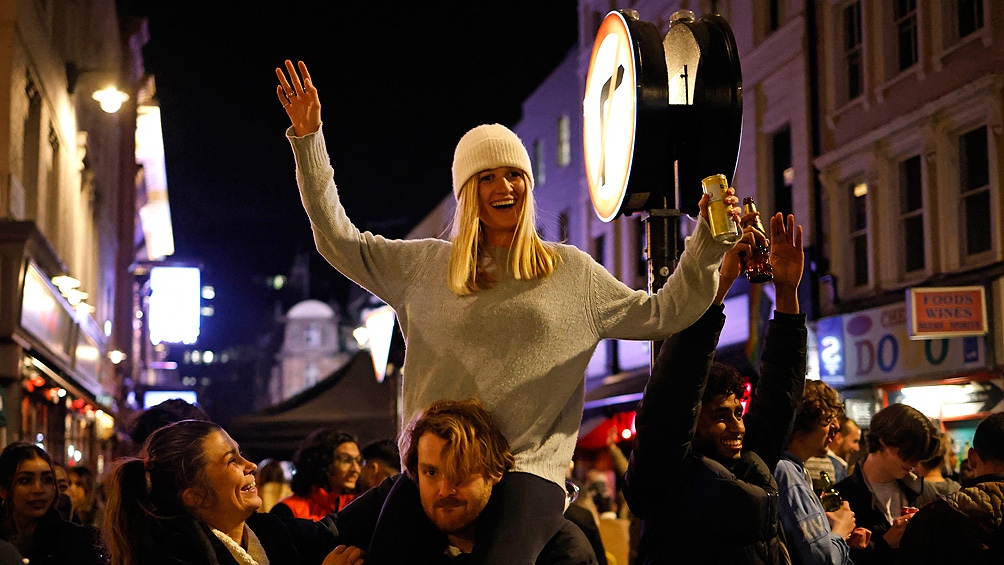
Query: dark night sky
x=398, y=88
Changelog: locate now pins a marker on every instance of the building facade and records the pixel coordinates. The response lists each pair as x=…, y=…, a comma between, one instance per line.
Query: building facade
x=911, y=152
x=70, y=194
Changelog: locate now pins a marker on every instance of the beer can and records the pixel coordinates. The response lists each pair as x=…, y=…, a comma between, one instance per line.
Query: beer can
x=723, y=227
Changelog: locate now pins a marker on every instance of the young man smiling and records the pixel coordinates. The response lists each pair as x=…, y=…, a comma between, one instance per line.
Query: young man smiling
x=700, y=474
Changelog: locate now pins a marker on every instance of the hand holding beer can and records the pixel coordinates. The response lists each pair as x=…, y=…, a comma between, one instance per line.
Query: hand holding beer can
x=723, y=226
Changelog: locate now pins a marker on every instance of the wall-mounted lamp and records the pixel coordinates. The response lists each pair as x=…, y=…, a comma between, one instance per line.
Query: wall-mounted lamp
x=116, y=356
x=65, y=283
x=109, y=98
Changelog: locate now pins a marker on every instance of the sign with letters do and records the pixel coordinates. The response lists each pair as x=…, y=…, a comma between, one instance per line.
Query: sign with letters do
x=938, y=312
x=873, y=346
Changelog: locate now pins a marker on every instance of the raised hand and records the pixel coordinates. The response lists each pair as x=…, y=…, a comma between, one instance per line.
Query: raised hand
x=786, y=254
x=299, y=98
x=786, y=260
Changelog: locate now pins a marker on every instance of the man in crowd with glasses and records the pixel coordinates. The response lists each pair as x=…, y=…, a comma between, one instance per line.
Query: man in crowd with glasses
x=700, y=474
x=326, y=469
x=814, y=534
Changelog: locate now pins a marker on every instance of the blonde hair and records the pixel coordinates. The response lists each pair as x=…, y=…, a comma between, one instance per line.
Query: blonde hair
x=529, y=255
x=473, y=443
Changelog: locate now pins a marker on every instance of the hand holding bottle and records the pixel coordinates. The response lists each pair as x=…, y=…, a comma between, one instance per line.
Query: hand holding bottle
x=842, y=521
x=731, y=266
x=756, y=264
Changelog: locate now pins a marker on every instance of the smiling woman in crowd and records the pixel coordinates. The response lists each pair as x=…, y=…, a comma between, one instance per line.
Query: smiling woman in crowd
x=29, y=519
x=191, y=498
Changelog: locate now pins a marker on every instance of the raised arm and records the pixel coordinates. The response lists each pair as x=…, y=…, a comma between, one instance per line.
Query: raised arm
x=666, y=418
x=782, y=363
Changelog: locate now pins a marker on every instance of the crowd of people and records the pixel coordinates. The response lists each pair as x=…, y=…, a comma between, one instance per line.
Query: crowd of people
x=500, y=326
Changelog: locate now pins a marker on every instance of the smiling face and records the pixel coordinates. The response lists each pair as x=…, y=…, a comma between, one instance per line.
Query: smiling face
x=501, y=194
x=452, y=505
x=345, y=468
x=32, y=491
x=847, y=444
x=233, y=495
x=720, y=429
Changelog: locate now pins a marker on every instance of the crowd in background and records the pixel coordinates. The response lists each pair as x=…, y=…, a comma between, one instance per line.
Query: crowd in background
x=330, y=469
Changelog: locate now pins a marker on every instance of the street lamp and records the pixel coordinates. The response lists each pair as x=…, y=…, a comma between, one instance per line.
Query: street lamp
x=109, y=98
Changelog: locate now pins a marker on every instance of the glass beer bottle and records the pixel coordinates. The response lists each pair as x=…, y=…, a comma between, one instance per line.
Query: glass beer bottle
x=757, y=265
x=830, y=497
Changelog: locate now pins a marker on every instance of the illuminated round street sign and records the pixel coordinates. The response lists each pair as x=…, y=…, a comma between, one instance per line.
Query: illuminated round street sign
x=627, y=77
x=657, y=111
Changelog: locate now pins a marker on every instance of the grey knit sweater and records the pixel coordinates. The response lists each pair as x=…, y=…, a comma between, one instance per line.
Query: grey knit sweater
x=521, y=347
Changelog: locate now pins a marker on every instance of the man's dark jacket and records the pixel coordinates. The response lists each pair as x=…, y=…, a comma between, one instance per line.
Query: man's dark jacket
x=388, y=522
x=694, y=509
x=963, y=527
x=868, y=515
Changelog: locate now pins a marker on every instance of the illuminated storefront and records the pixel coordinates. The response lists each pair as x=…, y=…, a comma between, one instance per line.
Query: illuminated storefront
x=871, y=358
x=56, y=381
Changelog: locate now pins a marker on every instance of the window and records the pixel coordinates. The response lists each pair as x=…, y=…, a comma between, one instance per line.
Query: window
x=54, y=224
x=859, y=232
x=905, y=20
x=974, y=170
x=564, y=141
x=538, y=162
x=852, y=49
x=774, y=14
x=911, y=215
x=30, y=157
x=312, y=335
x=782, y=173
x=563, y=230
x=970, y=16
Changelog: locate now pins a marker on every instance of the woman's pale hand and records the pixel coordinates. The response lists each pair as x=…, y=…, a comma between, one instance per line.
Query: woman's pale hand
x=731, y=205
x=344, y=555
x=299, y=98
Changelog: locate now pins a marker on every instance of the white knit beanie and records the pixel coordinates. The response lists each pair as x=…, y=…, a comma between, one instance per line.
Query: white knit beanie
x=488, y=146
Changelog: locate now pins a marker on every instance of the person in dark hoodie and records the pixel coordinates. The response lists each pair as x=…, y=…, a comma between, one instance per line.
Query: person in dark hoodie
x=883, y=490
x=700, y=474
